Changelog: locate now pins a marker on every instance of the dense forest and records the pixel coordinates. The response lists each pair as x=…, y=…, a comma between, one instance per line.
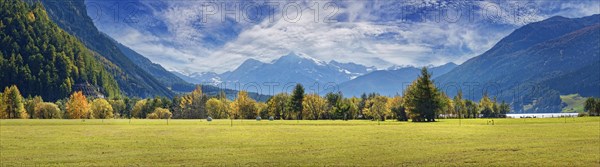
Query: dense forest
x=42, y=59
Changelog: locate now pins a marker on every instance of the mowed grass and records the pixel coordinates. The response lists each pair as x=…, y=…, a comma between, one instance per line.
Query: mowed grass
x=509, y=142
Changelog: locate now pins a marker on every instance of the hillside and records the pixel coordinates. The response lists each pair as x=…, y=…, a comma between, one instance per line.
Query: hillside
x=133, y=80
x=521, y=67
x=573, y=103
x=42, y=59
x=165, y=77
x=583, y=81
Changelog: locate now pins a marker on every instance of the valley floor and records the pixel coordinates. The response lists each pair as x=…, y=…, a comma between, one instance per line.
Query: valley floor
x=509, y=142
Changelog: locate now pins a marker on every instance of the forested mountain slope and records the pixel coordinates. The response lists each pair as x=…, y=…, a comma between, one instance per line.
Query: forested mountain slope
x=42, y=59
x=134, y=81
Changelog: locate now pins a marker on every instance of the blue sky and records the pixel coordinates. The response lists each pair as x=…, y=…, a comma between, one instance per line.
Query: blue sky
x=200, y=36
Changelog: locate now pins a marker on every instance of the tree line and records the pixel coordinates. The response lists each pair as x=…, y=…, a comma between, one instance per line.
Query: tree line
x=421, y=102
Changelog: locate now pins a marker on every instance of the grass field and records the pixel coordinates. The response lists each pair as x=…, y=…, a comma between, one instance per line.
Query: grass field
x=510, y=142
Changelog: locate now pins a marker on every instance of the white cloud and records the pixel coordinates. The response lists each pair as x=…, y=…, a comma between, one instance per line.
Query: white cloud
x=516, y=13
x=410, y=43
x=579, y=9
x=362, y=38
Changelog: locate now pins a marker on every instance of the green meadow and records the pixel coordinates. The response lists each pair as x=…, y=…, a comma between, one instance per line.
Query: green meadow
x=475, y=142
x=573, y=102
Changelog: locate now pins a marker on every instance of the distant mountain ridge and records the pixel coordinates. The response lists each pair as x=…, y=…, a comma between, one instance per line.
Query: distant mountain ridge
x=288, y=69
x=294, y=67
x=318, y=76
x=387, y=82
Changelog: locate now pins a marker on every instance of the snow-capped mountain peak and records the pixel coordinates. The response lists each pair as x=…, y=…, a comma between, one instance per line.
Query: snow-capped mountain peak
x=298, y=57
x=294, y=67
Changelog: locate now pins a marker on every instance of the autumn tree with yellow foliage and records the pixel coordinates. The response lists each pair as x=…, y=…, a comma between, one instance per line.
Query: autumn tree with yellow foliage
x=78, y=107
x=102, y=109
x=243, y=106
x=191, y=106
x=314, y=106
x=217, y=108
x=11, y=104
x=378, y=109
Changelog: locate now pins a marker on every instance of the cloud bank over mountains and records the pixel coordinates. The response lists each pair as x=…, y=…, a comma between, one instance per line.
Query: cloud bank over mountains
x=201, y=36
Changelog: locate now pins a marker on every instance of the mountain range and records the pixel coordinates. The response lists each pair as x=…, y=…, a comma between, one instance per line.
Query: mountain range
x=290, y=68
x=319, y=76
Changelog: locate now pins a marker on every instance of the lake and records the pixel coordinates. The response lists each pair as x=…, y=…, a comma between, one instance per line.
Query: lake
x=541, y=115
